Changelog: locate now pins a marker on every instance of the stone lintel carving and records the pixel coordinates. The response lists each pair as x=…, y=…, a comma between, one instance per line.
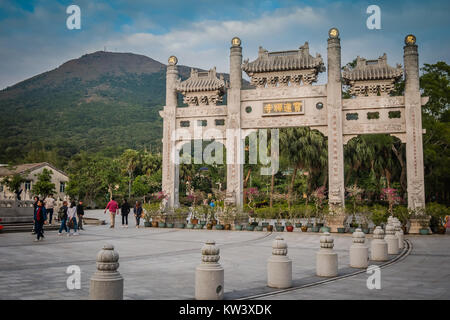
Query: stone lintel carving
x=202, y=88
x=284, y=68
x=372, y=77
x=374, y=102
x=198, y=111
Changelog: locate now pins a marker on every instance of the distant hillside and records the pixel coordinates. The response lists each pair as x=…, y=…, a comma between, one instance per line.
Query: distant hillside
x=101, y=100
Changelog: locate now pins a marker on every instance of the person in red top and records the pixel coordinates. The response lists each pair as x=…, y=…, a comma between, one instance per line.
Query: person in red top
x=113, y=207
x=40, y=217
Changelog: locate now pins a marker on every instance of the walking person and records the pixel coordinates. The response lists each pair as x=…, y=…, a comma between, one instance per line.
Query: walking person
x=35, y=205
x=80, y=214
x=113, y=207
x=49, y=205
x=62, y=215
x=124, y=211
x=72, y=218
x=137, y=210
x=40, y=217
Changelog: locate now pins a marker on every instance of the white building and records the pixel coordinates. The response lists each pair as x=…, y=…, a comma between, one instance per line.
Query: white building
x=29, y=172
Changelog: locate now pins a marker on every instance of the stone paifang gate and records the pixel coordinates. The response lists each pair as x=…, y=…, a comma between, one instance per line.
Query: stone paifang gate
x=286, y=97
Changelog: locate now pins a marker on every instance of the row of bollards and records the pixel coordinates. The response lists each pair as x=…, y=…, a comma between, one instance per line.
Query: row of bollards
x=107, y=283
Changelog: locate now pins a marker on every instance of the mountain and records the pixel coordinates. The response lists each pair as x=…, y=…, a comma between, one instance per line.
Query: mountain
x=100, y=101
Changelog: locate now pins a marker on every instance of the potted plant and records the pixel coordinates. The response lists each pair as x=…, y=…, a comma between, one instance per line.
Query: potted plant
x=152, y=210
x=180, y=217
x=147, y=218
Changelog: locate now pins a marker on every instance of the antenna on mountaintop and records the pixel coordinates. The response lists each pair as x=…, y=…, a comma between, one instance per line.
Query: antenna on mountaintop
x=104, y=48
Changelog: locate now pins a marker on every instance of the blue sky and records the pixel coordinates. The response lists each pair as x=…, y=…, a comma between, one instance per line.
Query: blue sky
x=34, y=37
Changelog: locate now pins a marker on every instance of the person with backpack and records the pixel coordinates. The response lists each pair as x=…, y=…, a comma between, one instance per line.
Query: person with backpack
x=72, y=219
x=62, y=216
x=113, y=207
x=80, y=214
x=35, y=205
x=40, y=217
x=137, y=210
x=125, y=210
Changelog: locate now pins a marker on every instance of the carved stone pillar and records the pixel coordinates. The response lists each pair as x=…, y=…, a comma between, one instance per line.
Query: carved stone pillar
x=234, y=145
x=170, y=169
x=335, y=139
x=413, y=117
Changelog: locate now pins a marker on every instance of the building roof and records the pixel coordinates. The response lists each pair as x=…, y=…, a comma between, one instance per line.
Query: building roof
x=372, y=70
x=202, y=81
x=24, y=168
x=284, y=61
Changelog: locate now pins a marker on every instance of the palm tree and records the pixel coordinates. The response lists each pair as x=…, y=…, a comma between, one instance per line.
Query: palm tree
x=306, y=150
x=129, y=160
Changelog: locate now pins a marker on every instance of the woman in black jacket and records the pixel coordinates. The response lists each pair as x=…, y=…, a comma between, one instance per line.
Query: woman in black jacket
x=137, y=213
x=125, y=210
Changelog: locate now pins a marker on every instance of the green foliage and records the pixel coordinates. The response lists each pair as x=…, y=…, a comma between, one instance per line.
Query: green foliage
x=44, y=186
x=13, y=183
x=379, y=214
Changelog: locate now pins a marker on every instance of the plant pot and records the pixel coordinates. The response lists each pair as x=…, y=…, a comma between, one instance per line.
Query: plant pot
x=147, y=224
x=309, y=225
x=169, y=225
x=162, y=224
x=265, y=224
x=238, y=227
x=254, y=223
x=189, y=226
x=304, y=228
x=214, y=222
x=259, y=228
x=289, y=228
x=203, y=222
x=320, y=225
x=180, y=225
x=194, y=221
x=423, y=231
x=324, y=229
x=154, y=224
x=228, y=226
x=351, y=229
x=288, y=224
x=365, y=230
x=298, y=225
x=280, y=228
x=209, y=226
x=198, y=226
x=219, y=227
x=341, y=230
x=250, y=227
x=269, y=228
x=315, y=229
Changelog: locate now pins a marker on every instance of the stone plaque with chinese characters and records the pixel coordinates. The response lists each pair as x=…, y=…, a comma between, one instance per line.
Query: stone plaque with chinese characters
x=283, y=108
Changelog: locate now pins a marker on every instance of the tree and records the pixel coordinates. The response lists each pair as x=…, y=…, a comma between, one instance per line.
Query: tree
x=129, y=160
x=44, y=185
x=13, y=183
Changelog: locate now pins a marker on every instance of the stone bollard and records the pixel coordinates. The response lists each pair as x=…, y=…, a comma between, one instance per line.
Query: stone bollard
x=107, y=283
x=359, y=252
x=399, y=234
x=209, y=275
x=379, y=246
x=326, y=258
x=279, y=266
x=391, y=239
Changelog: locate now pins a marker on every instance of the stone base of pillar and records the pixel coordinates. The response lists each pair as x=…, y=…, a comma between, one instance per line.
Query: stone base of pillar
x=279, y=272
x=416, y=225
x=392, y=242
x=209, y=282
x=106, y=286
x=359, y=256
x=379, y=250
x=326, y=263
x=401, y=238
x=335, y=221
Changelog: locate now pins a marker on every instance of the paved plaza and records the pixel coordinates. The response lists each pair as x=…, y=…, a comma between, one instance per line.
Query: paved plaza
x=160, y=263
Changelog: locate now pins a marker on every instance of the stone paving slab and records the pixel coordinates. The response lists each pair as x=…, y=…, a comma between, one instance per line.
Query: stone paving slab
x=160, y=263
